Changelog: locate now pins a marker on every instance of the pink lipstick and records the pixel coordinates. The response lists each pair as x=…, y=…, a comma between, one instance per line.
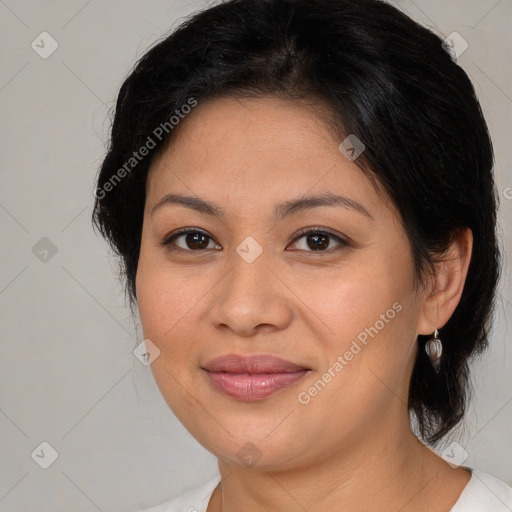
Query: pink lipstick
x=252, y=378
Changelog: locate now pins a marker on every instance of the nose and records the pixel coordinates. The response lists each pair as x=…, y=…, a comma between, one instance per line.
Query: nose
x=251, y=299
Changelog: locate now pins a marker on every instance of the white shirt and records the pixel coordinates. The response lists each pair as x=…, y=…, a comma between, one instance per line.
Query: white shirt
x=483, y=493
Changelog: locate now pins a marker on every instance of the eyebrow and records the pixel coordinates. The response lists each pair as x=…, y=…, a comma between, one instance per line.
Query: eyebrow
x=293, y=206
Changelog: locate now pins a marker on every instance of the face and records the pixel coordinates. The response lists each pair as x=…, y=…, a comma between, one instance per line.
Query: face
x=251, y=280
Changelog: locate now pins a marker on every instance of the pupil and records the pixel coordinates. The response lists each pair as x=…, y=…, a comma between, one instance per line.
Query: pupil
x=200, y=241
x=323, y=239
x=194, y=238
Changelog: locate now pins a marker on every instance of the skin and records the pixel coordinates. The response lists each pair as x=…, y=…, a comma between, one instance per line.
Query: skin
x=351, y=447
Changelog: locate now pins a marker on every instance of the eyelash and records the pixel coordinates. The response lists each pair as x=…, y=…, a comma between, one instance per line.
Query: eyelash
x=167, y=241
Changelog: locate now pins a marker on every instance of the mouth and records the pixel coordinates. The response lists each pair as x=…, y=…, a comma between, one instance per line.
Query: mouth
x=252, y=378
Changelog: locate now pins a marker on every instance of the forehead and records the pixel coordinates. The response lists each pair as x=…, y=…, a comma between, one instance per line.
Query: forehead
x=256, y=149
x=266, y=127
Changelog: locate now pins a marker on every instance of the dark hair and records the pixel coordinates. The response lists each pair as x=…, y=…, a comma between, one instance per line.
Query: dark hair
x=386, y=79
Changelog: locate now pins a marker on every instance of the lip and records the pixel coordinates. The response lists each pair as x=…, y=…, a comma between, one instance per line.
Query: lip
x=252, y=378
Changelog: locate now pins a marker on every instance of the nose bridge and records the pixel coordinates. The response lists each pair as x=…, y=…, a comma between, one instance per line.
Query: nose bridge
x=248, y=284
x=248, y=261
x=248, y=295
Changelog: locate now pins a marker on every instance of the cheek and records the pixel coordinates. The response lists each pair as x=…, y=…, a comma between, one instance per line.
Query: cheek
x=371, y=310
x=164, y=299
x=355, y=297
x=166, y=306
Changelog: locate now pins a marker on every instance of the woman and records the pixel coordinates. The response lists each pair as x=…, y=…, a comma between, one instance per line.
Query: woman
x=301, y=196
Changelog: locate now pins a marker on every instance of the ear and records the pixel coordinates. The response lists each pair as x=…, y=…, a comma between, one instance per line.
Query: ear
x=445, y=289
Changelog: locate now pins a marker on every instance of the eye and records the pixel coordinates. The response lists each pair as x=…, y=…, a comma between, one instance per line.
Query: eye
x=319, y=240
x=193, y=240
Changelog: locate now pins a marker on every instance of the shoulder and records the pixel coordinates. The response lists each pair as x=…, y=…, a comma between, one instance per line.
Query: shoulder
x=484, y=493
x=193, y=500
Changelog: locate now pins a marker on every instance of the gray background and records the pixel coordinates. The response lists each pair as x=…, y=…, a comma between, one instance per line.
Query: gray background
x=67, y=372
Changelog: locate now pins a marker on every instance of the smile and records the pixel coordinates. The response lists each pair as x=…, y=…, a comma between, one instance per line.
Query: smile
x=252, y=378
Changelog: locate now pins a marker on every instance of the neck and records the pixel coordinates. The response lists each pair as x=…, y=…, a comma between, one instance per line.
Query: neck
x=389, y=467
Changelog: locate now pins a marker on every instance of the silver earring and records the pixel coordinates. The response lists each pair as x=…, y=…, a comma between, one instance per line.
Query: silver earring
x=434, y=349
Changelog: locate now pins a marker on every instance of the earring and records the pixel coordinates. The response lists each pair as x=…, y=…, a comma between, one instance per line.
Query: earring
x=434, y=349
